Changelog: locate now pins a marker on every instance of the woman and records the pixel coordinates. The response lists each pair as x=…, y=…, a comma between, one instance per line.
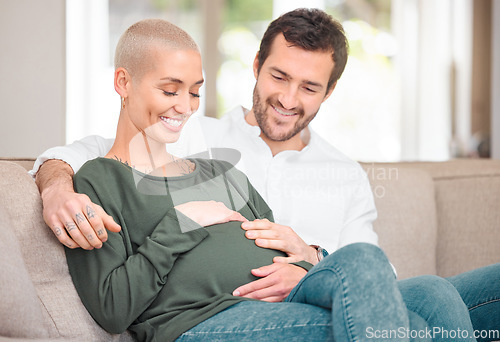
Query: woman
x=172, y=269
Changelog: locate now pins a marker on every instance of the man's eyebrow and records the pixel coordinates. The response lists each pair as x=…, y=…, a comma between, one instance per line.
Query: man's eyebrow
x=281, y=72
x=311, y=83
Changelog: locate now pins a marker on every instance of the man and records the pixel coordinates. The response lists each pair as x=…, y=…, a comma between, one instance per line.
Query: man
x=302, y=178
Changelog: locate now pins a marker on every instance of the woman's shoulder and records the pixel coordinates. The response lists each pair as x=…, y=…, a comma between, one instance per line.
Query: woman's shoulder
x=218, y=165
x=101, y=170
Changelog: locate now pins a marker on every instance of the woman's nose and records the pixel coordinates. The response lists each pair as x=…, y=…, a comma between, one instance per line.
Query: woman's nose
x=183, y=105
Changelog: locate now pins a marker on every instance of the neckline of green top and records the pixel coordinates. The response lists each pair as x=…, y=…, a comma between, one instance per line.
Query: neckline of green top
x=148, y=176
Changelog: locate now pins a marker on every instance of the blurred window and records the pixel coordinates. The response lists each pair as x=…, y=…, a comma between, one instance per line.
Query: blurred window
x=381, y=108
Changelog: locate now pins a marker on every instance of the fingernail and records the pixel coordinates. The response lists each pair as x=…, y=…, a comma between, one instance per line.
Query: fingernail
x=236, y=293
x=245, y=224
x=250, y=234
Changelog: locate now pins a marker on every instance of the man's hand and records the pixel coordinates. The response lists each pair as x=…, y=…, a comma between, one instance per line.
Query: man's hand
x=276, y=236
x=74, y=219
x=277, y=281
x=207, y=213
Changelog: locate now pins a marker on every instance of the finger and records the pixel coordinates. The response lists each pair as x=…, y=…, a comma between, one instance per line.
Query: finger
x=96, y=222
x=86, y=229
x=252, y=288
x=72, y=229
x=263, y=234
x=264, y=271
x=256, y=285
x=286, y=260
x=279, y=245
x=265, y=289
x=61, y=234
x=268, y=294
x=77, y=225
x=236, y=216
x=258, y=224
x=57, y=228
x=109, y=223
x=273, y=299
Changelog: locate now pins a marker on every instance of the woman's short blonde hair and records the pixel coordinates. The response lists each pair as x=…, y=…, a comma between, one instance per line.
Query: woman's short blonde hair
x=137, y=44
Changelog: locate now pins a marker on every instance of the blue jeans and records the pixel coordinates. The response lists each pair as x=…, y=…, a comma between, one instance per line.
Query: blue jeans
x=480, y=290
x=352, y=295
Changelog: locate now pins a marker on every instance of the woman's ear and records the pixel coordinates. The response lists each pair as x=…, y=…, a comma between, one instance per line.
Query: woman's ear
x=122, y=80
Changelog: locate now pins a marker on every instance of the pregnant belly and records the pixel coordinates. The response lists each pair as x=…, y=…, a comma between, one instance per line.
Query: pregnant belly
x=221, y=262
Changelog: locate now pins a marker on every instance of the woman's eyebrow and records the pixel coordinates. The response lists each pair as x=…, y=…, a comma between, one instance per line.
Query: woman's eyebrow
x=171, y=79
x=176, y=80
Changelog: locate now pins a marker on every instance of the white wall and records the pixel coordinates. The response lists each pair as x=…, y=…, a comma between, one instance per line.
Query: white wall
x=32, y=76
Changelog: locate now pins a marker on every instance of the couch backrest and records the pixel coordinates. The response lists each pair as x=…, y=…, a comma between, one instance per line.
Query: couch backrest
x=468, y=212
x=406, y=222
x=45, y=259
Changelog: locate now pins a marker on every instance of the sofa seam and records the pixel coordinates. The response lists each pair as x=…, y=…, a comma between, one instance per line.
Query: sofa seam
x=449, y=178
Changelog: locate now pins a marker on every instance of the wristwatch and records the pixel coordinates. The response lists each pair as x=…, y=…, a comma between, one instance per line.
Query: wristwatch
x=321, y=252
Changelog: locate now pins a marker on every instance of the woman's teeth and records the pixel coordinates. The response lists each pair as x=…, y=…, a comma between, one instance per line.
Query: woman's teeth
x=171, y=122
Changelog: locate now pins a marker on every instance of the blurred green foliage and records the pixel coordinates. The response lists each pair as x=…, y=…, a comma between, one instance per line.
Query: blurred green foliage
x=238, y=11
x=185, y=5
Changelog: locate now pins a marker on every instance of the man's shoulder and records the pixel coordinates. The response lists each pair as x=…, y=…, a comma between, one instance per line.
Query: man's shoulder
x=96, y=139
x=330, y=153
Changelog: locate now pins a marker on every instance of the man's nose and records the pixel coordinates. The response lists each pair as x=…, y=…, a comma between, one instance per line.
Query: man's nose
x=289, y=97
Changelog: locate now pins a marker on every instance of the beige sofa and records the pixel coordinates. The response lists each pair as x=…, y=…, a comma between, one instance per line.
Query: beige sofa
x=434, y=218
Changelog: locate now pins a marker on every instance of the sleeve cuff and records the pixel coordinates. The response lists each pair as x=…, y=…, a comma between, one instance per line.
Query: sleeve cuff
x=303, y=264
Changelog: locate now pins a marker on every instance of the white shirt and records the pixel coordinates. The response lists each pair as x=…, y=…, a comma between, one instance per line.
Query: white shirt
x=323, y=195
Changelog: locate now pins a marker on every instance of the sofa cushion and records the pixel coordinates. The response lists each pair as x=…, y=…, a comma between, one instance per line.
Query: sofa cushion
x=20, y=310
x=45, y=259
x=468, y=206
x=27, y=163
x=406, y=223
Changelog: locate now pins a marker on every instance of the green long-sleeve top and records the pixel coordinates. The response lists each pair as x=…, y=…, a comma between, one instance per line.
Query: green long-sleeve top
x=162, y=273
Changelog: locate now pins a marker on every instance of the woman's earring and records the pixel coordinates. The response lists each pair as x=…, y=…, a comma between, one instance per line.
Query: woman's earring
x=123, y=103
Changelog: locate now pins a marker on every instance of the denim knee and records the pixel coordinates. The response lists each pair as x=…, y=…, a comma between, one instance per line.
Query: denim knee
x=435, y=292
x=435, y=286
x=363, y=257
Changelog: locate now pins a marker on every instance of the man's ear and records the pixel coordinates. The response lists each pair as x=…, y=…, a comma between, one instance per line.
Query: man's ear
x=122, y=81
x=256, y=65
x=330, y=91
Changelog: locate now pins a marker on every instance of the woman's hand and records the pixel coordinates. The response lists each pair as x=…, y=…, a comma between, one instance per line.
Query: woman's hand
x=207, y=213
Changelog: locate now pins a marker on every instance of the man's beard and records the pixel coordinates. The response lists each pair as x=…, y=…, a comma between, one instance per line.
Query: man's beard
x=263, y=119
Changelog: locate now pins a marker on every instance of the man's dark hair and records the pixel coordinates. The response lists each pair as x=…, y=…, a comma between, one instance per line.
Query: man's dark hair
x=312, y=30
